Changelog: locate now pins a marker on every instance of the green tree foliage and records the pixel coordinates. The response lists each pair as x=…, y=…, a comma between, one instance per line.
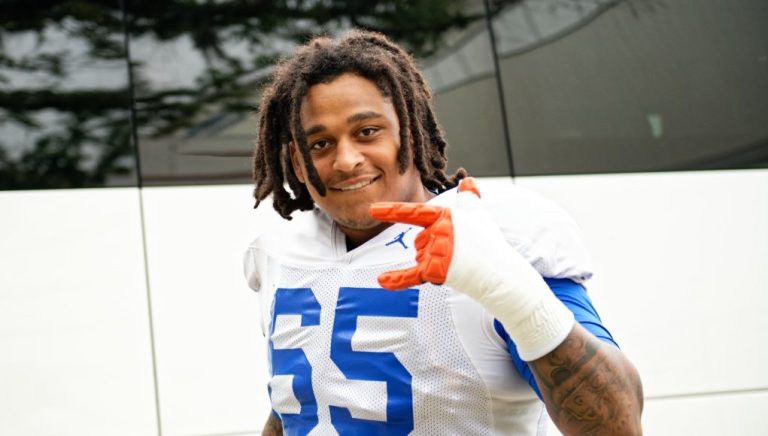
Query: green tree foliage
x=62, y=131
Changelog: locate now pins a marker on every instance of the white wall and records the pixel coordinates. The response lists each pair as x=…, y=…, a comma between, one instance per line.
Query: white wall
x=211, y=355
x=681, y=282
x=75, y=352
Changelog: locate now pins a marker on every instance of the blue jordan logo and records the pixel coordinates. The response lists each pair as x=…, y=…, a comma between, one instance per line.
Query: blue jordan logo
x=399, y=238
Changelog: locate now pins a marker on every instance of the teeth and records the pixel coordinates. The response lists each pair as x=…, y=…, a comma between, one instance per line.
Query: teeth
x=357, y=185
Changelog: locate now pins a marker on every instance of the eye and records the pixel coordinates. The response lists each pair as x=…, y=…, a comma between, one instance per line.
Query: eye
x=368, y=131
x=319, y=145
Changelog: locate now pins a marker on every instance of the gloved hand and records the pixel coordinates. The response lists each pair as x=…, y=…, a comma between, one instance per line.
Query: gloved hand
x=463, y=248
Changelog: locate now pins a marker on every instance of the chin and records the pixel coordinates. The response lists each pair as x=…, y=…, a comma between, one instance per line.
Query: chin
x=358, y=223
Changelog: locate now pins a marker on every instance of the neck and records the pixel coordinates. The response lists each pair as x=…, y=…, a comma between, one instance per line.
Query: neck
x=358, y=237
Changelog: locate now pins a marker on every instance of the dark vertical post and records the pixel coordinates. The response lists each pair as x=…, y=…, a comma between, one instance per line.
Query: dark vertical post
x=140, y=184
x=499, y=87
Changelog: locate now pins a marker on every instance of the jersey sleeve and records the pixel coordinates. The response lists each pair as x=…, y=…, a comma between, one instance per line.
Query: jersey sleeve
x=255, y=265
x=575, y=297
x=541, y=231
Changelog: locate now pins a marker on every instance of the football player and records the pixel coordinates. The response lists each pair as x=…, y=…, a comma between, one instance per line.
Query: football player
x=400, y=299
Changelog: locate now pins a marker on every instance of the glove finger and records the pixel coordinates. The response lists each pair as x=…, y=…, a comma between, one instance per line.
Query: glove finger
x=436, y=258
x=400, y=279
x=436, y=269
x=420, y=254
x=422, y=238
x=468, y=184
x=419, y=214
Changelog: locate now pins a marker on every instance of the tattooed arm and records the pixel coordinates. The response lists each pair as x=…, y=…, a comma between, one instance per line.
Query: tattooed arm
x=273, y=426
x=590, y=387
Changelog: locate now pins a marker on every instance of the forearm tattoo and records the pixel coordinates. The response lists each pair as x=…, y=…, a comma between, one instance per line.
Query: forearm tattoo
x=588, y=389
x=273, y=427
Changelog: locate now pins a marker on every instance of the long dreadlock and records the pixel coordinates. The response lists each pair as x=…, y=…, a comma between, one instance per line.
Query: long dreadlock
x=372, y=56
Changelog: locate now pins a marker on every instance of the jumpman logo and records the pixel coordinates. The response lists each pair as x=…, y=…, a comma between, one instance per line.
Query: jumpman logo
x=399, y=238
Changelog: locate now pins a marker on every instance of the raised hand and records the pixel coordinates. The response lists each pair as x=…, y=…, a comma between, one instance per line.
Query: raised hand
x=434, y=245
x=462, y=247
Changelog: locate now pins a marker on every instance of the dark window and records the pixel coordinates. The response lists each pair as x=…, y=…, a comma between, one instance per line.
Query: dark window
x=589, y=85
x=636, y=85
x=64, y=100
x=198, y=69
x=467, y=103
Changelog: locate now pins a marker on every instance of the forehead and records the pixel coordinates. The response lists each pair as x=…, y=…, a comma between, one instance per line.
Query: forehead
x=349, y=79
x=342, y=94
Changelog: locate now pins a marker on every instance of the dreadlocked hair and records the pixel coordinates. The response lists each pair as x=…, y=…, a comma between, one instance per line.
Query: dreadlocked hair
x=374, y=57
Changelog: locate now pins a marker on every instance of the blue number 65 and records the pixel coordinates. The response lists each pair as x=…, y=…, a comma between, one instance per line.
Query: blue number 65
x=355, y=365
x=373, y=366
x=293, y=361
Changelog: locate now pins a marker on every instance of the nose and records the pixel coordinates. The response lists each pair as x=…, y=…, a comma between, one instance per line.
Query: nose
x=348, y=156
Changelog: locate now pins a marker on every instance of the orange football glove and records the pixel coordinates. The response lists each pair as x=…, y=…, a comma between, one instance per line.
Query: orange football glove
x=434, y=245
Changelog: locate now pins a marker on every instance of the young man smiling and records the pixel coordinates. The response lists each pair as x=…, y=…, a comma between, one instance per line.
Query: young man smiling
x=489, y=325
x=353, y=136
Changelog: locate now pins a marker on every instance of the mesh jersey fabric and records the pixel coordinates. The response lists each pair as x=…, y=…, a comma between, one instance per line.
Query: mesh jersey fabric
x=346, y=356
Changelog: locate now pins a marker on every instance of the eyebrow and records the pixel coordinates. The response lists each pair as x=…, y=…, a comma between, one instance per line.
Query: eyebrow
x=363, y=116
x=352, y=119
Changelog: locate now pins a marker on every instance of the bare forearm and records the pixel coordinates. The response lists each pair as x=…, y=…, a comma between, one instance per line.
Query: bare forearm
x=589, y=387
x=273, y=426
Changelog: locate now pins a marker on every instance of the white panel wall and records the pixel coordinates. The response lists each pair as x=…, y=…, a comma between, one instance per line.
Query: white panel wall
x=211, y=354
x=75, y=353
x=682, y=282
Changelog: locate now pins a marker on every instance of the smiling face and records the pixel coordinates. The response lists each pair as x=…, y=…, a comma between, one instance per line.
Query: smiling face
x=353, y=137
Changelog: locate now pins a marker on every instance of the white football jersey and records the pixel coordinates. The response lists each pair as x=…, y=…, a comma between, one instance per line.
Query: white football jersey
x=347, y=357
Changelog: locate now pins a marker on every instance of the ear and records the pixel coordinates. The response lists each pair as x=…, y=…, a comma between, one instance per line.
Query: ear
x=297, y=162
